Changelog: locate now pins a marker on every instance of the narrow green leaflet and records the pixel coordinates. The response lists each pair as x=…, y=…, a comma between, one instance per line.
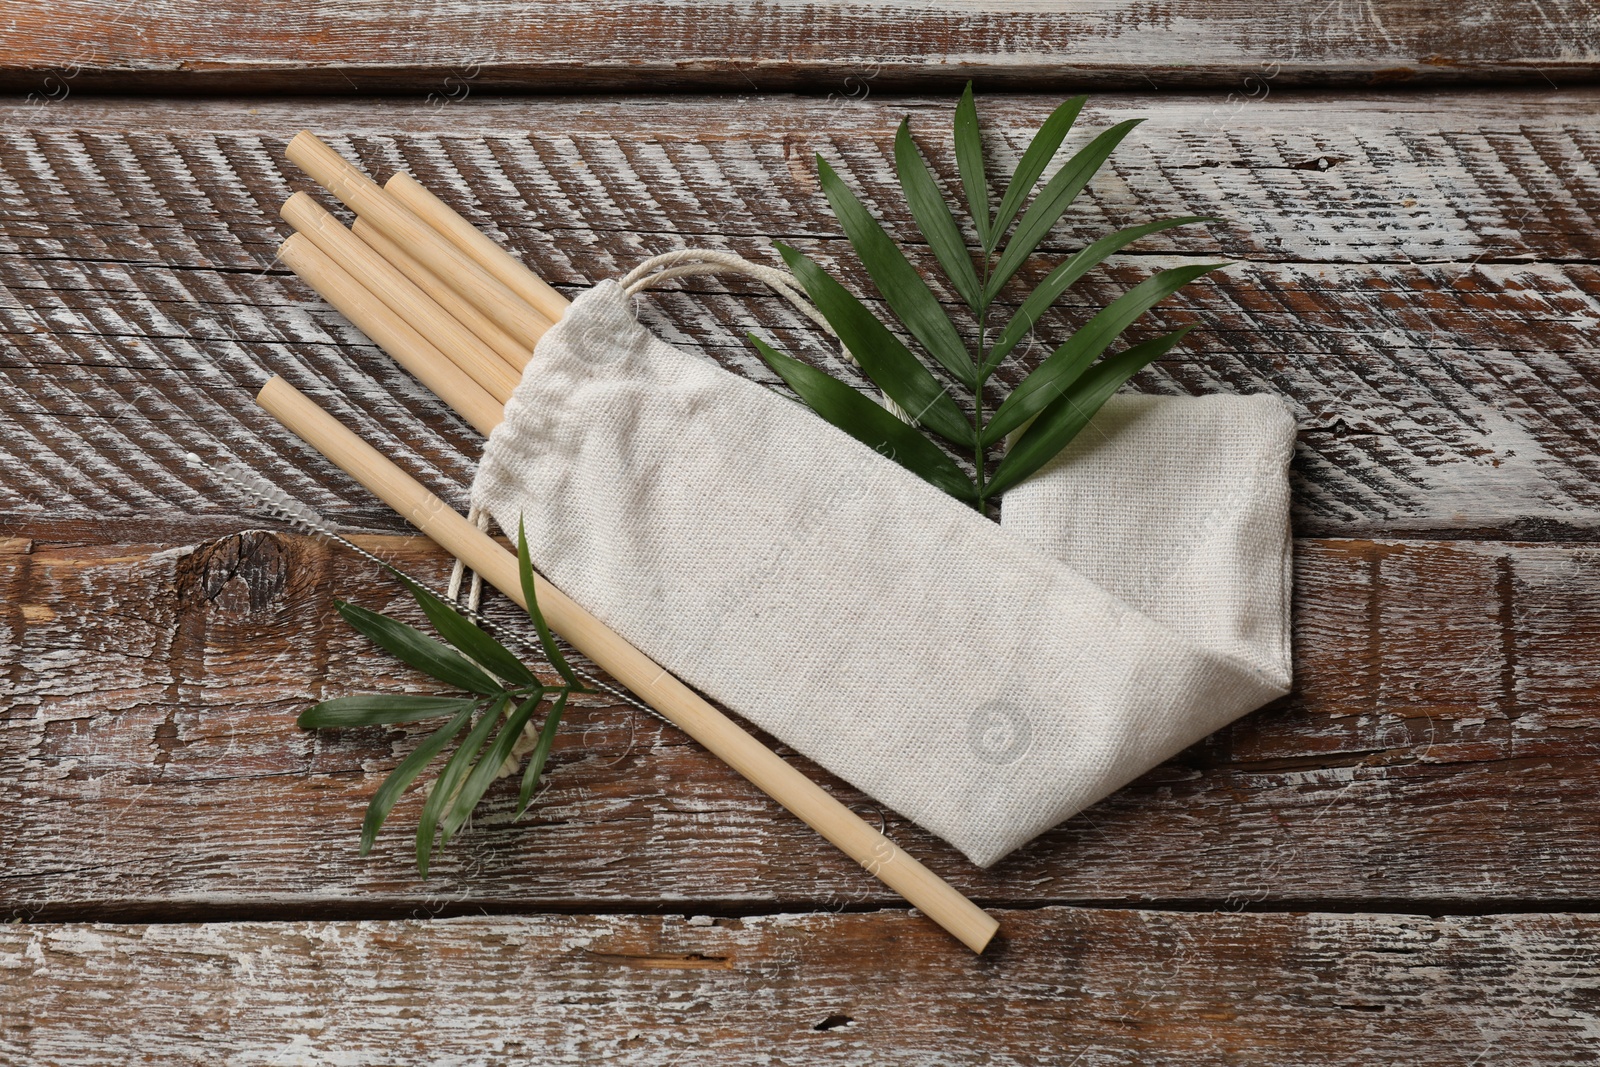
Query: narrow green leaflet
x=483, y=772
x=1058, y=195
x=444, y=786
x=1040, y=151
x=540, y=753
x=470, y=769
x=935, y=221
x=394, y=786
x=1063, y=366
x=1058, y=281
x=1060, y=422
x=886, y=361
x=902, y=287
x=379, y=708
x=418, y=649
x=869, y=423
x=470, y=638
x=969, y=161
x=547, y=640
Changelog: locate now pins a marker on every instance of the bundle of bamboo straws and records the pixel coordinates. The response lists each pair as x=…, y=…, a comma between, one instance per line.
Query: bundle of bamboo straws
x=463, y=315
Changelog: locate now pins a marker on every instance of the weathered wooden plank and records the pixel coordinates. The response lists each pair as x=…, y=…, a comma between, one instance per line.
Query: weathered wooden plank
x=1440, y=749
x=452, y=50
x=1463, y=176
x=1447, y=417
x=1082, y=986
x=1449, y=394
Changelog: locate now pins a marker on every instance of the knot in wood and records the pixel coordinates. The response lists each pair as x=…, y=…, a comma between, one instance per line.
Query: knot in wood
x=244, y=572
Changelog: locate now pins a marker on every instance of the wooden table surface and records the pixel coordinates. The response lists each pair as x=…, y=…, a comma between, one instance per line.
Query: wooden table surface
x=1399, y=863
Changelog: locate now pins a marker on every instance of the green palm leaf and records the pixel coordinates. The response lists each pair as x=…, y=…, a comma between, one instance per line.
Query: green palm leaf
x=465, y=776
x=1060, y=279
x=1040, y=151
x=377, y=709
x=935, y=221
x=1058, y=195
x=471, y=638
x=1061, y=420
x=394, y=786
x=907, y=295
x=547, y=640
x=886, y=361
x=483, y=772
x=1062, y=367
x=444, y=787
x=969, y=162
x=1058, y=397
x=869, y=423
x=540, y=753
x=418, y=649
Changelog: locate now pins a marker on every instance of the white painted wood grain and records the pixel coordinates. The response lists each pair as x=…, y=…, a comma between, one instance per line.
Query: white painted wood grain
x=1083, y=986
x=455, y=49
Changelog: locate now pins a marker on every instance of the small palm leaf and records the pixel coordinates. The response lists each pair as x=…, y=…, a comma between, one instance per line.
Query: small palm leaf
x=1040, y=151
x=969, y=161
x=379, y=709
x=394, y=786
x=418, y=649
x=1058, y=195
x=465, y=777
x=547, y=640
x=470, y=638
x=483, y=772
x=935, y=221
x=1060, y=279
x=541, y=752
x=445, y=786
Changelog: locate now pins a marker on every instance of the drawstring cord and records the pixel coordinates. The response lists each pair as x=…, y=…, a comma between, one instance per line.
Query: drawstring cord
x=687, y=262
x=479, y=518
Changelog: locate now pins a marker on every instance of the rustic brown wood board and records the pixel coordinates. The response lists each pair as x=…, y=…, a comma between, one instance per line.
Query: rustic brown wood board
x=453, y=49
x=1398, y=863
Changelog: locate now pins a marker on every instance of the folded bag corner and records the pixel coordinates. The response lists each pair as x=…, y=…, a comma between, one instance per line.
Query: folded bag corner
x=985, y=680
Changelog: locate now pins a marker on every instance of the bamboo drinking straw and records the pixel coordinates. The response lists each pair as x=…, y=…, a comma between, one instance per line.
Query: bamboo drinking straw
x=363, y=196
x=408, y=347
x=477, y=244
x=672, y=698
x=648, y=679
x=410, y=303
x=515, y=354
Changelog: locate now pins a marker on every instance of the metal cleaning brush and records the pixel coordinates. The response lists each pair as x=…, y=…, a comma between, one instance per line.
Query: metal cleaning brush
x=308, y=520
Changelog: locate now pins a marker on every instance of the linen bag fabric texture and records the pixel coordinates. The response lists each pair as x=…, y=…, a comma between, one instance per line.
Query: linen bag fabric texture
x=985, y=680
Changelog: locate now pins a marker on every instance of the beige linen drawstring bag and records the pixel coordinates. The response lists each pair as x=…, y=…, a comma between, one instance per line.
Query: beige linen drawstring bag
x=986, y=681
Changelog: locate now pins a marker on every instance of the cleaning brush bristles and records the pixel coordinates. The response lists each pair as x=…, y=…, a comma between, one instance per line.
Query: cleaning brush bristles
x=280, y=503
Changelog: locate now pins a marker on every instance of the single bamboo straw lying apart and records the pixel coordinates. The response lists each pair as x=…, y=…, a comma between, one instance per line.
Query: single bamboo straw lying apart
x=643, y=676
x=404, y=267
